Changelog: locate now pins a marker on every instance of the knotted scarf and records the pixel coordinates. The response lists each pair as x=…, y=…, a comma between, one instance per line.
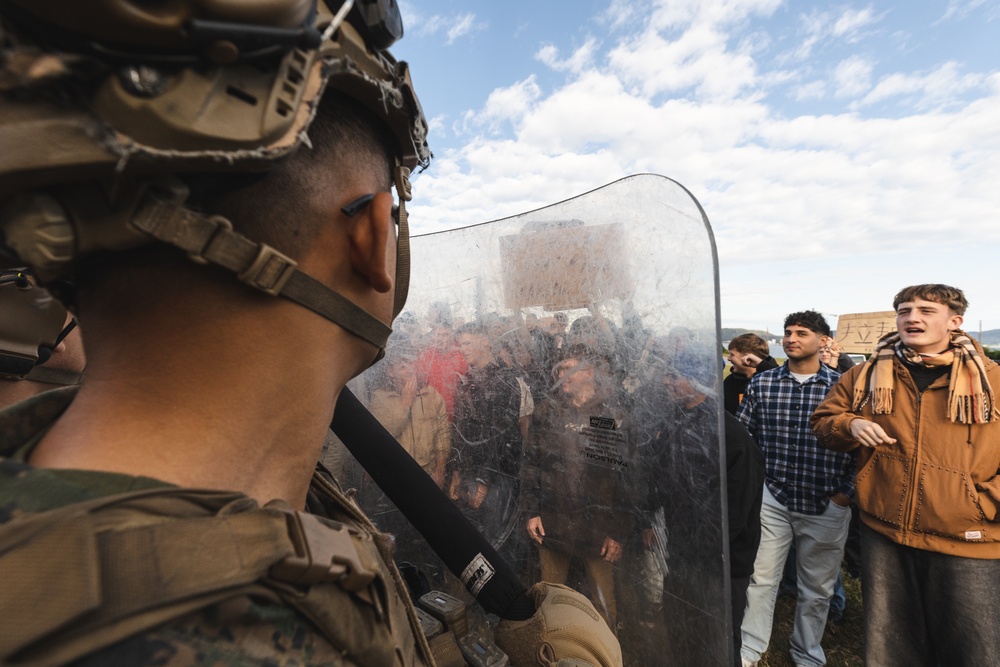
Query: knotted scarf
x=970, y=396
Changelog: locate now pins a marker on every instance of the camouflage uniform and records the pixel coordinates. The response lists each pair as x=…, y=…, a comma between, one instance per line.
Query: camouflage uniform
x=253, y=625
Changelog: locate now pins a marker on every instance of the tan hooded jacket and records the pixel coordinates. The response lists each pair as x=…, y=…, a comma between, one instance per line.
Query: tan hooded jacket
x=421, y=428
x=938, y=486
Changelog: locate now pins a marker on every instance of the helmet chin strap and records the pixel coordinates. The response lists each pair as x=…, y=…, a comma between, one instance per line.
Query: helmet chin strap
x=211, y=239
x=401, y=176
x=156, y=209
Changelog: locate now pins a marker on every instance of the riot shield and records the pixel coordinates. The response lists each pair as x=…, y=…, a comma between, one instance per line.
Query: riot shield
x=558, y=374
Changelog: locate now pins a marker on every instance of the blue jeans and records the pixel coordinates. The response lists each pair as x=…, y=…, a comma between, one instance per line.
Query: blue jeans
x=789, y=584
x=819, y=542
x=839, y=600
x=927, y=609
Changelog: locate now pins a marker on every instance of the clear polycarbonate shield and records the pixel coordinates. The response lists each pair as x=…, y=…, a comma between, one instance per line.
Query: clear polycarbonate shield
x=558, y=374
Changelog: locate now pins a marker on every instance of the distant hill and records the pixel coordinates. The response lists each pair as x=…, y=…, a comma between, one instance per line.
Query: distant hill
x=991, y=337
x=729, y=333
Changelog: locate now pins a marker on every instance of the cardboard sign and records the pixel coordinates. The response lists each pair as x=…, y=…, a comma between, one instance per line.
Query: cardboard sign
x=859, y=332
x=569, y=266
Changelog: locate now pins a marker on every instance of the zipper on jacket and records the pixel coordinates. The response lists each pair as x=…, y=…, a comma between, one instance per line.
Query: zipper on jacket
x=914, y=474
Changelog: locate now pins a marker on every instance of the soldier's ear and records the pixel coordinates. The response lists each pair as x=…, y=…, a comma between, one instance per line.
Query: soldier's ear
x=372, y=240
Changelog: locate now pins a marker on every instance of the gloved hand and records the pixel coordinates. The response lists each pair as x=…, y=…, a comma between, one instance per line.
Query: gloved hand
x=565, y=630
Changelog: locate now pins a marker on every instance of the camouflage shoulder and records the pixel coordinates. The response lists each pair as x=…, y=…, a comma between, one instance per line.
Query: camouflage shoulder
x=25, y=420
x=231, y=634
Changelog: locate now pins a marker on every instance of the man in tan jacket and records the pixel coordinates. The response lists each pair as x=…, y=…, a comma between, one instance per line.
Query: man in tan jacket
x=922, y=414
x=414, y=413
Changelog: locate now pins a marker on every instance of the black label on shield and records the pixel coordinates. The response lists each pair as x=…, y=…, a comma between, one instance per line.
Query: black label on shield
x=602, y=422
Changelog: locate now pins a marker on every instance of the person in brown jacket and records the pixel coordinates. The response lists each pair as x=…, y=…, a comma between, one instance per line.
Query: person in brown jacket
x=922, y=414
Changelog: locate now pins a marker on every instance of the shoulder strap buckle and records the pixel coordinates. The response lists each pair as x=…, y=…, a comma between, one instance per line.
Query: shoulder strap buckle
x=322, y=553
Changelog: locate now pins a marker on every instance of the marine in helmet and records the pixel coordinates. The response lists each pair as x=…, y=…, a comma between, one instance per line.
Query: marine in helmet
x=217, y=178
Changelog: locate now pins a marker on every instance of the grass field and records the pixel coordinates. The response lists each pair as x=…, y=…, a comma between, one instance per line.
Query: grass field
x=843, y=642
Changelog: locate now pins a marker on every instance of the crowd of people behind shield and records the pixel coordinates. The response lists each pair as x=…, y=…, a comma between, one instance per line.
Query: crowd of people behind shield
x=544, y=430
x=574, y=444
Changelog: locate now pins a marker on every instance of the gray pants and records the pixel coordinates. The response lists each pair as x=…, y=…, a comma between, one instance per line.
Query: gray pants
x=924, y=608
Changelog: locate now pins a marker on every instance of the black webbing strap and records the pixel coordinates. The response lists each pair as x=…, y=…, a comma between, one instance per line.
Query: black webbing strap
x=211, y=239
x=464, y=551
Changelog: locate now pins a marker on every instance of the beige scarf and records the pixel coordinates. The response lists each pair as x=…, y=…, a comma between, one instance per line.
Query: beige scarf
x=970, y=396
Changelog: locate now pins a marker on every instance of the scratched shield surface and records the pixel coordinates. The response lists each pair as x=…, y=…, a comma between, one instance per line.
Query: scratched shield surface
x=557, y=373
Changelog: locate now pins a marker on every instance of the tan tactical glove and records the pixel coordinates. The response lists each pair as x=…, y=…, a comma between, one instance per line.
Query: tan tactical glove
x=565, y=630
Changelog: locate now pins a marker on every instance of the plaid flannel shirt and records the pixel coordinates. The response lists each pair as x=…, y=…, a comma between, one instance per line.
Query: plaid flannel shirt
x=800, y=473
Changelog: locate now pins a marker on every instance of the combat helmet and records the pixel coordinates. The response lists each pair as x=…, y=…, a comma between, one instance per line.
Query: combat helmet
x=128, y=94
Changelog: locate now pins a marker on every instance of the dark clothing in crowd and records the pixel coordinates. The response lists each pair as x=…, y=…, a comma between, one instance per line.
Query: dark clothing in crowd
x=735, y=385
x=577, y=474
x=844, y=362
x=545, y=352
x=486, y=443
x=577, y=478
x=487, y=434
x=687, y=447
x=745, y=491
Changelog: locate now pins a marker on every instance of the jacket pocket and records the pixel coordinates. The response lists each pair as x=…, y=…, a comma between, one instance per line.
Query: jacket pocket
x=948, y=505
x=881, y=487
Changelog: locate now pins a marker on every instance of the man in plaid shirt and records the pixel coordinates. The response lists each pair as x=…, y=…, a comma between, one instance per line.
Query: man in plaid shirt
x=807, y=493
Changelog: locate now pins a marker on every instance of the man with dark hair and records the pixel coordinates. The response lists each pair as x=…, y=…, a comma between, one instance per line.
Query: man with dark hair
x=487, y=436
x=921, y=414
x=807, y=493
x=170, y=510
x=749, y=354
x=173, y=404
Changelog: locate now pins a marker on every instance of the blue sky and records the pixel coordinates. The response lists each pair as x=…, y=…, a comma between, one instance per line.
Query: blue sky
x=840, y=150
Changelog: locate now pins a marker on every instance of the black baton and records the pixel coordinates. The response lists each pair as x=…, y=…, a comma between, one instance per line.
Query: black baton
x=461, y=547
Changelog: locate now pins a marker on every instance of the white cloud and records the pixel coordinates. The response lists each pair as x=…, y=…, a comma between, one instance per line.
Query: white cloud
x=463, y=25
x=942, y=87
x=698, y=59
x=852, y=76
x=818, y=28
x=960, y=9
x=686, y=44
x=453, y=27
x=580, y=59
x=851, y=21
x=436, y=123
x=814, y=90
x=684, y=13
x=510, y=104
